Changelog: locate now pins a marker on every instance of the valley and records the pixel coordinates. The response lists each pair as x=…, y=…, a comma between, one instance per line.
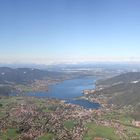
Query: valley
x=61, y=111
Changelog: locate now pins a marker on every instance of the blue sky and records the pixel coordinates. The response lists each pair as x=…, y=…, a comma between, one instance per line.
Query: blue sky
x=45, y=31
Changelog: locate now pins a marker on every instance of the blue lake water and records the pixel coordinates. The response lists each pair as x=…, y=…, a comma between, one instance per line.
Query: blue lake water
x=69, y=90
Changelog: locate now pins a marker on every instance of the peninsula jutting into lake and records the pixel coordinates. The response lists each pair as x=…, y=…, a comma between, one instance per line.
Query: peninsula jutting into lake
x=64, y=111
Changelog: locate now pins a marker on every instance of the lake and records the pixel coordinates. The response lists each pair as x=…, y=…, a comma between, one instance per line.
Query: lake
x=68, y=90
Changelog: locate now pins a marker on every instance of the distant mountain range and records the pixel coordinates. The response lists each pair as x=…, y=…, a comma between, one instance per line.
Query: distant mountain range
x=123, y=78
x=24, y=75
x=21, y=79
x=122, y=90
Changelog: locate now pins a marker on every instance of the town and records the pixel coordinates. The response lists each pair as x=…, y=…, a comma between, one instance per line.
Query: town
x=30, y=118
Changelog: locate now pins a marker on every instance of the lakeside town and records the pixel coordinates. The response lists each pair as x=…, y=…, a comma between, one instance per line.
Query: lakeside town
x=30, y=118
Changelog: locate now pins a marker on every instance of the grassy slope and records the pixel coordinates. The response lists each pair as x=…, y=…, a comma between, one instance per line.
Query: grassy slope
x=47, y=136
x=70, y=124
x=11, y=133
x=99, y=131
